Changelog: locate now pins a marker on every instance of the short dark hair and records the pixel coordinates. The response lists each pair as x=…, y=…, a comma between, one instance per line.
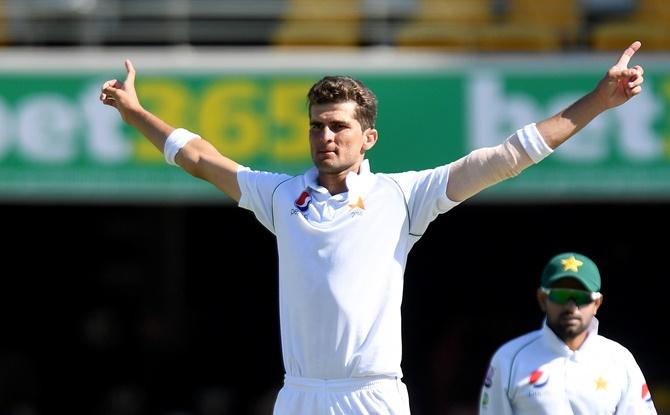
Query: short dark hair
x=337, y=89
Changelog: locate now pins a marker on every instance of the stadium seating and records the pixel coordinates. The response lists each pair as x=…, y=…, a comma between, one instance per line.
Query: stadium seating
x=649, y=23
x=533, y=25
x=319, y=23
x=3, y=24
x=474, y=25
x=453, y=24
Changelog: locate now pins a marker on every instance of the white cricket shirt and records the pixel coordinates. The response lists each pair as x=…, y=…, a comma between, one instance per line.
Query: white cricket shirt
x=341, y=263
x=538, y=374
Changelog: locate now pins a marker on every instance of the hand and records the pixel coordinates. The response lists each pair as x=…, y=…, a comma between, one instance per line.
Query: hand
x=122, y=95
x=621, y=83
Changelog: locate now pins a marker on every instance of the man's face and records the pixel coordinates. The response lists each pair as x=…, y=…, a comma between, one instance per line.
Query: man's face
x=336, y=139
x=569, y=320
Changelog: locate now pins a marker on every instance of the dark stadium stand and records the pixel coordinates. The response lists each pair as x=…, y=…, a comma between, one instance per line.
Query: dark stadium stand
x=463, y=25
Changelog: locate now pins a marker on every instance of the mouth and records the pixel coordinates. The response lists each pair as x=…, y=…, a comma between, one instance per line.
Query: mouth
x=571, y=320
x=327, y=152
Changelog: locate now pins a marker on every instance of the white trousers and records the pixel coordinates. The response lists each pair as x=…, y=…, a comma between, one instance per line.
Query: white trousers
x=375, y=395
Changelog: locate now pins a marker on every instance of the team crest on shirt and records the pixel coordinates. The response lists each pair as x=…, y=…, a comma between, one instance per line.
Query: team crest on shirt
x=601, y=383
x=538, y=378
x=303, y=201
x=485, y=400
x=302, y=204
x=356, y=205
x=646, y=394
x=488, y=380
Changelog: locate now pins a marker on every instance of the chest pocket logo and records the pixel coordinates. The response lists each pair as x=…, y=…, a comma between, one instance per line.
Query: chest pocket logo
x=303, y=201
x=538, y=378
x=357, y=208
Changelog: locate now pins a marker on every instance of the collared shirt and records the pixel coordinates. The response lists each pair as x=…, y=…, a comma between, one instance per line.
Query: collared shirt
x=341, y=263
x=538, y=374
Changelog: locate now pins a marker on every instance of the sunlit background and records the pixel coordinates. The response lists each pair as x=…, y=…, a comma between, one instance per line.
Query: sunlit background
x=131, y=288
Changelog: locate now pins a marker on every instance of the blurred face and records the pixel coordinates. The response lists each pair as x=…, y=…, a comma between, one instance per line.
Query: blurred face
x=337, y=141
x=569, y=321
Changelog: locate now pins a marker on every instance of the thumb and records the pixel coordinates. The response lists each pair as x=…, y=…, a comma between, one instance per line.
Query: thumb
x=130, y=78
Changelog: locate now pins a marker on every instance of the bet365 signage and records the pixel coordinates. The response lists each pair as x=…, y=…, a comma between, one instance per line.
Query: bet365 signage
x=57, y=141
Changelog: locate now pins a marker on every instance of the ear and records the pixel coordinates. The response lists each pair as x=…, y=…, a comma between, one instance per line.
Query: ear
x=370, y=136
x=542, y=300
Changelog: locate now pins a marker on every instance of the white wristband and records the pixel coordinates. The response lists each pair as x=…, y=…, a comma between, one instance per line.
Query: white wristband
x=532, y=141
x=175, y=141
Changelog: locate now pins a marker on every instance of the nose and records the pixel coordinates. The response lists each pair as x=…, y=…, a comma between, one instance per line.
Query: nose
x=325, y=134
x=571, y=305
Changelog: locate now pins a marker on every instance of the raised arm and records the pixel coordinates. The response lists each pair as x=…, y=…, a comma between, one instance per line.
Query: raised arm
x=485, y=167
x=197, y=156
x=617, y=86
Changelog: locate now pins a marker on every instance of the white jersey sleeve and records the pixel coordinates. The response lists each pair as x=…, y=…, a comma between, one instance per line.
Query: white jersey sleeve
x=425, y=193
x=493, y=398
x=257, y=188
x=636, y=399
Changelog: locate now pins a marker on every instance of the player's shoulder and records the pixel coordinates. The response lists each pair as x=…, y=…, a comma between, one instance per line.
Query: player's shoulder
x=398, y=182
x=285, y=182
x=413, y=174
x=248, y=174
x=517, y=346
x=410, y=179
x=612, y=348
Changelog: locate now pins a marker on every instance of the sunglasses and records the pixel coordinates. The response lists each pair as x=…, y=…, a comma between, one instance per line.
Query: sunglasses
x=563, y=295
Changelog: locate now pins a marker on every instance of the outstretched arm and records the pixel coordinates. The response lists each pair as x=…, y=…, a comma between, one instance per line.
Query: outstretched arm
x=618, y=86
x=485, y=167
x=197, y=157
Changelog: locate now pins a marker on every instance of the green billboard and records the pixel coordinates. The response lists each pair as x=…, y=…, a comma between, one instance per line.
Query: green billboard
x=59, y=143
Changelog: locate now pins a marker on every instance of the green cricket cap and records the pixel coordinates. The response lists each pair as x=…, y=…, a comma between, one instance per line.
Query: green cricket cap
x=571, y=264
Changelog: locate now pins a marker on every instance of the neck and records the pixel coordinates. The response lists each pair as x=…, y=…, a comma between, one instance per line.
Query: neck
x=576, y=342
x=336, y=183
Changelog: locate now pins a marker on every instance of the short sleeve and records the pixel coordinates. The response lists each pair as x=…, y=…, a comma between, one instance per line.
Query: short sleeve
x=257, y=189
x=493, y=398
x=636, y=399
x=425, y=192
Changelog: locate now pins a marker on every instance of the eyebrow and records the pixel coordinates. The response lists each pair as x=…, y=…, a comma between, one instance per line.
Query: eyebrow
x=335, y=123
